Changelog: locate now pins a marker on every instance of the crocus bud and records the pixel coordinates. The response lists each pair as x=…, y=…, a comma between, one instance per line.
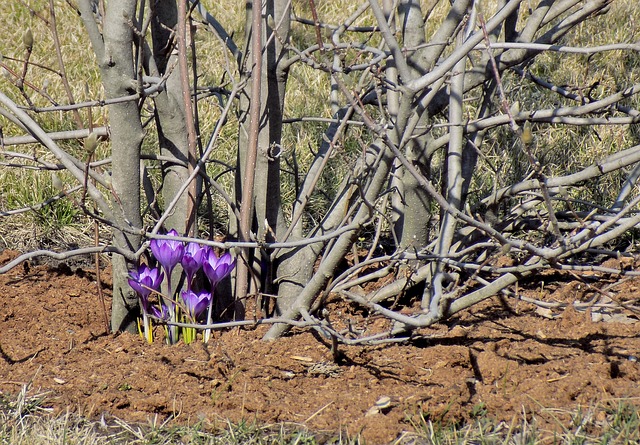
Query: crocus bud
x=56, y=181
x=91, y=143
x=514, y=108
x=562, y=191
x=271, y=22
x=27, y=39
x=527, y=134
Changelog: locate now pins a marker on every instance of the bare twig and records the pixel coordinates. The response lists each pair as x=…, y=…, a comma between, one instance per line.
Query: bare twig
x=246, y=205
x=65, y=255
x=101, y=132
x=63, y=73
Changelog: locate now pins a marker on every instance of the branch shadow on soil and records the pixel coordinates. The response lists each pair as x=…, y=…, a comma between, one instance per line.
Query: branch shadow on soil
x=12, y=361
x=342, y=359
x=591, y=343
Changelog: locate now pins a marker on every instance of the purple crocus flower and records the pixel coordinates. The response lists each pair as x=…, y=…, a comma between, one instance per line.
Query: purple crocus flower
x=168, y=252
x=195, y=302
x=217, y=268
x=194, y=255
x=161, y=313
x=144, y=280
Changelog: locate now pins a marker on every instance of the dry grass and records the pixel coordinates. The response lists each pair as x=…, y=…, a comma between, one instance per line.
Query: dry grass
x=307, y=95
x=24, y=420
x=565, y=149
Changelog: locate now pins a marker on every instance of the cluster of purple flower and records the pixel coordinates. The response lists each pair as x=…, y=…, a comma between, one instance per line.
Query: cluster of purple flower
x=192, y=257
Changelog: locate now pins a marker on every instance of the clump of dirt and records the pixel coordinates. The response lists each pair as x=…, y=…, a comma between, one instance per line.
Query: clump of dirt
x=505, y=358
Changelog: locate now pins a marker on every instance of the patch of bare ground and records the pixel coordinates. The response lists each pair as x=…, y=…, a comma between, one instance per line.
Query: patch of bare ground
x=507, y=357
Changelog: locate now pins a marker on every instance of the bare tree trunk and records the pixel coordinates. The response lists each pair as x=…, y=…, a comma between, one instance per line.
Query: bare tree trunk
x=267, y=218
x=412, y=226
x=170, y=113
x=375, y=167
x=114, y=51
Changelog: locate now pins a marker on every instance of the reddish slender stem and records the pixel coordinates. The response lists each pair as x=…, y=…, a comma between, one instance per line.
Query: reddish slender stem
x=188, y=111
x=246, y=206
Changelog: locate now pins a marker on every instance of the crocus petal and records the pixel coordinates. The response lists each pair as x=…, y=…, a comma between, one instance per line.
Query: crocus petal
x=210, y=264
x=167, y=252
x=136, y=286
x=161, y=313
x=145, y=279
x=195, y=303
x=205, y=298
x=190, y=265
x=217, y=268
x=192, y=259
x=196, y=251
x=225, y=265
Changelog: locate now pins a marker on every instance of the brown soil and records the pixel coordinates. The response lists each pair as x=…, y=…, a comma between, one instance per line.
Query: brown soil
x=505, y=357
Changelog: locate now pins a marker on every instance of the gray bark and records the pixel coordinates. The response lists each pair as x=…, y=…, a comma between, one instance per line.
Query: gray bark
x=170, y=113
x=114, y=50
x=412, y=228
x=376, y=168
